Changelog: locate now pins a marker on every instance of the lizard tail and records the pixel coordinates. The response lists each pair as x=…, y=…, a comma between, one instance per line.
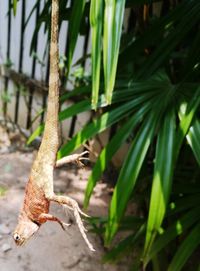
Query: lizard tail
x=50, y=141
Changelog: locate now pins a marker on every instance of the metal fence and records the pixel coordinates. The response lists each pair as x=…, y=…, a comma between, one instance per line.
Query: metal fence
x=24, y=77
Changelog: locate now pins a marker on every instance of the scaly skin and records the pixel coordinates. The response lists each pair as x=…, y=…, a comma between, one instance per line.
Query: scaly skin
x=39, y=189
x=43, y=166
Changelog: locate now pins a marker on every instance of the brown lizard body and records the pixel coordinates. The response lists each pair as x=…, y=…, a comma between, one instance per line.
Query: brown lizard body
x=39, y=189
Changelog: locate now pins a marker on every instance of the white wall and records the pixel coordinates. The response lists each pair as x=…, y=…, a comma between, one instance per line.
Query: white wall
x=28, y=59
x=40, y=71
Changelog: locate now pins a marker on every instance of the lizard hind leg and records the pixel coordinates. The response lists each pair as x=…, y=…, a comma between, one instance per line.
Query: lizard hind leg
x=72, y=204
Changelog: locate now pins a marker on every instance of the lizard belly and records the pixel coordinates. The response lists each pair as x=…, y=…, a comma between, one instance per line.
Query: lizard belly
x=35, y=202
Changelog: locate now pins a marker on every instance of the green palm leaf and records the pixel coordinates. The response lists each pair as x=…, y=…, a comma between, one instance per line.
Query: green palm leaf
x=74, y=25
x=162, y=179
x=129, y=173
x=99, y=125
x=193, y=137
x=113, y=17
x=111, y=148
x=179, y=227
x=146, y=91
x=96, y=18
x=186, y=249
x=125, y=245
x=186, y=115
x=169, y=43
x=153, y=34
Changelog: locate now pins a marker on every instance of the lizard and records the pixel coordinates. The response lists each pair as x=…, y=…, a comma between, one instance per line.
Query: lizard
x=39, y=192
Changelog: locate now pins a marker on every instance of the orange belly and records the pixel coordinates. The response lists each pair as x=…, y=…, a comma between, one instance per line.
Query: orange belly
x=35, y=202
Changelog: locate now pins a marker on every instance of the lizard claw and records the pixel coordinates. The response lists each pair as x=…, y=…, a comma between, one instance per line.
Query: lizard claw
x=73, y=205
x=77, y=157
x=82, y=213
x=66, y=224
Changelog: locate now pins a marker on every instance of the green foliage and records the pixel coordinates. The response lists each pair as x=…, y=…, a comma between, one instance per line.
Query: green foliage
x=96, y=21
x=74, y=25
x=113, y=18
x=162, y=178
x=6, y=97
x=155, y=106
x=2, y=191
x=193, y=139
x=185, y=250
x=14, y=6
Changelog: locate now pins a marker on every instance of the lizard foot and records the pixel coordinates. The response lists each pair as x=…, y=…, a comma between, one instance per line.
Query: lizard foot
x=77, y=157
x=73, y=205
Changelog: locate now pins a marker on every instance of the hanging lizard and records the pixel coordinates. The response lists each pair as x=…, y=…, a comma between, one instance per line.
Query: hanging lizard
x=39, y=189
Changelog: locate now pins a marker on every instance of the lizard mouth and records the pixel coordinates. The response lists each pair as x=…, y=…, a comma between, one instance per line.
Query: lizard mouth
x=24, y=231
x=20, y=242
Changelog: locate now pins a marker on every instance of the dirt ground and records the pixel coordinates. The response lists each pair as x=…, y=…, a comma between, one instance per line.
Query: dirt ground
x=51, y=248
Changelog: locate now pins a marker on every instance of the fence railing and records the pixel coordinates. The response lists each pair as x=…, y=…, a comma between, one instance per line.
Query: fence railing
x=24, y=77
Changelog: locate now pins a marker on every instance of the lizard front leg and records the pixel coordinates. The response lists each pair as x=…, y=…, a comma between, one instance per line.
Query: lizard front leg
x=77, y=157
x=72, y=204
x=48, y=217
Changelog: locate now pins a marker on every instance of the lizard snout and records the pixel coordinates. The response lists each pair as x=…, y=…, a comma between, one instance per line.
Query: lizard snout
x=24, y=231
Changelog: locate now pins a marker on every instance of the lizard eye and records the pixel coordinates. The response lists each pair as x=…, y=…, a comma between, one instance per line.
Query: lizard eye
x=16, y=237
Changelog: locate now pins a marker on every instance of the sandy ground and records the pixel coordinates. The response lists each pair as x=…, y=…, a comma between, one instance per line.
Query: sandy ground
x=51, y=248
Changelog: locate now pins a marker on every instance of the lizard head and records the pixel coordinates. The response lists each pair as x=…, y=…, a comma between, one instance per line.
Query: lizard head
x=24, y=230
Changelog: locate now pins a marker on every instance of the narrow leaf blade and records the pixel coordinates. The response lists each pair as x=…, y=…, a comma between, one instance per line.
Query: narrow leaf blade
x=96, y=18
x=179, y=227
x=110, y=149
x=186, y=249
x=74, y=25
x=193, y=137
x=128, y=175
x=100, y=124
x=162, y=179
x=113, y=18
x=186, y=117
